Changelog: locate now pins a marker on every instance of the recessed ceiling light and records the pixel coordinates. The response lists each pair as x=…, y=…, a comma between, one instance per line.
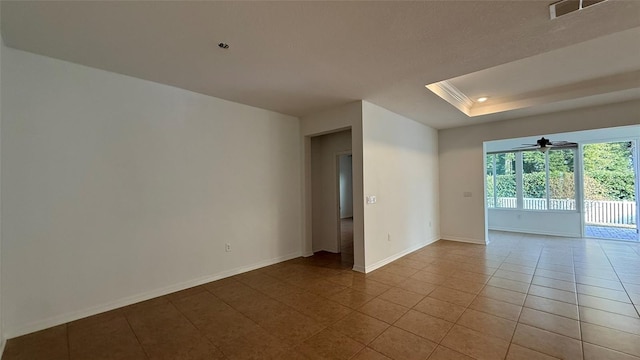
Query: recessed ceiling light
x=482, y=99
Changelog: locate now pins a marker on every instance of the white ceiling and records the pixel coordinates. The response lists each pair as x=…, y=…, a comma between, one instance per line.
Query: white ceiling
x=299, y=57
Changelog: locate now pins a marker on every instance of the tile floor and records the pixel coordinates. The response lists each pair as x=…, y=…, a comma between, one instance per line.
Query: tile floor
x=611, y=232
x=520, y=297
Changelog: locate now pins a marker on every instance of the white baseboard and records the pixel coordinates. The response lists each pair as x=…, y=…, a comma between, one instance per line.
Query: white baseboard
x=358, y=268
x=536, y=232
x=463, y=239
x=75, y=315
x=383, y=262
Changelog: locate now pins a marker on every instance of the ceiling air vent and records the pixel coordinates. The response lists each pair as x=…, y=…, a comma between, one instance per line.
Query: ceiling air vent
x=565, y=7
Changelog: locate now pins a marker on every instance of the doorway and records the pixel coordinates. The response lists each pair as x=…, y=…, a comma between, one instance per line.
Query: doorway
x=326, y=194
x=610, y=184
x=344, y=170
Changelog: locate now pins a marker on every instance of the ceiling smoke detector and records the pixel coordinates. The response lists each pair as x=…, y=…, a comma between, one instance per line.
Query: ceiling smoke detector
x=565, y=7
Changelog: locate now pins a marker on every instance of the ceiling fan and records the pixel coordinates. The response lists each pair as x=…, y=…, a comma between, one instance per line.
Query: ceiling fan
x=543, y=145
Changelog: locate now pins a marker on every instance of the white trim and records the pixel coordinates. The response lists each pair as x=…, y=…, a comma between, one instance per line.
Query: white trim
x=463, y=239
x=3, y=343
x=75, y=315
x=536, y=232
x=358, y=268
x=392, y=258
x=452, y=95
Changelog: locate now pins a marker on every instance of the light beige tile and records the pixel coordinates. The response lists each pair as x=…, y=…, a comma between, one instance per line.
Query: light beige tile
x=595, y=352
x=554, y=283
x=547, y=342
x=475, y=344
x=552, y=306
x=607, y=305
x=609, y=284
x=612, y=339
x=603, y=293
x=508, y=284
x=558, y=275
x=615, y=321
x=555, y=294
x=518, y=268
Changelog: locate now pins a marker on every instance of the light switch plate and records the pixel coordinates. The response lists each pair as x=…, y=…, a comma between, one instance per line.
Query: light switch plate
x=371, y=199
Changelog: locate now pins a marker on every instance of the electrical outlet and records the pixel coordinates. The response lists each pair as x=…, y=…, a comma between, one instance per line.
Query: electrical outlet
x=388, y=237
x=227, y=247
x=429, y=223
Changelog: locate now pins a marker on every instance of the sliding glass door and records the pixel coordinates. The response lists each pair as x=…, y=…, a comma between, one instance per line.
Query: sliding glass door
x=610, y=190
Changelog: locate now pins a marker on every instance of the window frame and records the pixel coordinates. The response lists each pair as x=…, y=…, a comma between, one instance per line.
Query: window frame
x=519, y=173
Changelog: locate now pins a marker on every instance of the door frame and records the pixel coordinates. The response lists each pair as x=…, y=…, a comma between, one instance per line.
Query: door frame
x=636, y=158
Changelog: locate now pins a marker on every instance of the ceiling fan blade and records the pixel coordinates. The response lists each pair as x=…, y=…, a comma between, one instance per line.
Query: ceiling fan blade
x=568, y=145
x=525, y=146
x=562, y=143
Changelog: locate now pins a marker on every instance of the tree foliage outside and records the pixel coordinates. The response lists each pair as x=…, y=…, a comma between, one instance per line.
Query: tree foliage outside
x=611, y=166
x=608, y=173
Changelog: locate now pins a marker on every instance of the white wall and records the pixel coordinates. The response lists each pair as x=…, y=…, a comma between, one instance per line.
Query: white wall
x=401, y=170
x=117, y=189
x=348, y=116
x=461, y=159
x=346, y=187
x=324, y=150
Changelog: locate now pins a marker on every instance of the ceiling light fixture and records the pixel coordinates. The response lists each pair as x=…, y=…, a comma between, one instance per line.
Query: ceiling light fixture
x=223, y=45
x=482, y=99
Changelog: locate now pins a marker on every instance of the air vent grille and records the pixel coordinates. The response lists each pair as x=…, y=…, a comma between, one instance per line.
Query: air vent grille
x=565, y=7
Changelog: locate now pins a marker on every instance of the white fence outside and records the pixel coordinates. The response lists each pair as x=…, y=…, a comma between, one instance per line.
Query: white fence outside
x=618, y=213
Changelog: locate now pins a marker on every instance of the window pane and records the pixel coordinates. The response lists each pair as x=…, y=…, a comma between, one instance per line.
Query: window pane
x=534, y=180
x=562, y=191
x=506, y=180
x=489, y=191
